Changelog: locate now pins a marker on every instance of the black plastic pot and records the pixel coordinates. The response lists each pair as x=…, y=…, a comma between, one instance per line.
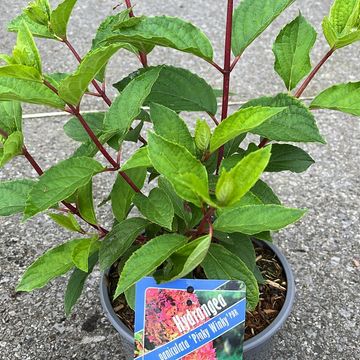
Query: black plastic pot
x=256, y=348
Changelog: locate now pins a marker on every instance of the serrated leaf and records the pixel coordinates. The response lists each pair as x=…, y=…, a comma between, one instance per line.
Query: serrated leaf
x=38, y=30
x=168, y=124
x=29, y=92
x=220, y=263
x=146, y=259
x=53, y=263
x=253, y=219
x=60, y=17
x=177, y=89
x=39, y=11
x=172, y=161
x=127, y=105
x=21, y=72
x=82, y=251
x=202, y=135
x=60, y=182
x=10, y=116
x=292, y=51
x=296, y=123
x=74, y=87
x=265, y=193
x=234, y=184
x=122, y=194
x=25, y=51
x=85, y=203
x=76, y=284
x=119, y=239
x=165, y=31
x=13, y=195
x=178, y=203
x=341, y=97
x=240, y=122
x=140, y=158
x=251, y=18
x=12, y=147
x=157, y=207
x=288, y=157
x=187, y=258
x=342, y=27
x=74, y=130
x=66, y=221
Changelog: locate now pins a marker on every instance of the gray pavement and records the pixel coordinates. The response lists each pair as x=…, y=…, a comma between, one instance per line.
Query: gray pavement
x=323, y=248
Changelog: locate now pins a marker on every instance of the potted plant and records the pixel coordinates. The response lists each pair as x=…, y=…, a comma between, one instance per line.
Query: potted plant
x=208, y=214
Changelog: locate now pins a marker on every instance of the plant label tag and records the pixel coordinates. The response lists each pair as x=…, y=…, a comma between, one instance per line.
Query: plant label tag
x=189, y=319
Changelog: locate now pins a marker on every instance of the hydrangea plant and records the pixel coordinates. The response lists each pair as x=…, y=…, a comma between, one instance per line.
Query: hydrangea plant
x=207, y=201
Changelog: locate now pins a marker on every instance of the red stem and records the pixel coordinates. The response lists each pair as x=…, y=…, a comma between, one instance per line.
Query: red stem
x=227, y=72
x=306, y=83
x=129, y=181
x=313, y=73
x=214, y=119
x=143, y=56
x=32, y=161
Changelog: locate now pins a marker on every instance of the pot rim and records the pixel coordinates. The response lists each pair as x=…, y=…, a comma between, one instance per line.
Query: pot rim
x=249, y=345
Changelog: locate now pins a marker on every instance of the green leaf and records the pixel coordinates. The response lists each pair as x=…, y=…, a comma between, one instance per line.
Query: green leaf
x=25, y=51
x=240, y=122
x=51, y=264
x=187, y=258
x=39, y=11
x=168, y=124
x=342, y=27
x=296, y=123
x=76, y=284
x=66, y=221
x=177, y=89
x=252, y=219
x=341, y=97
x=292, y=51
x=288, y=157
x=251, y=18
x=74, y=130
x=12, y=147
x=21, y=72
x=220, y=263
x=157, y=207
x=82, y=251
x=119, y=239
x=74, y=86
x=140, y=158
x=13, y=195
x=29, y=92
x=60, y=182
x=178, y=203
x=146, y=259
x=232, y=146
x=172, y=161
x=10, y=116
x=38, y=30
x=234, y=184
x=105, y=29
x=165, y=31
x=60, y=17
x=89, y=148
x=265, y=193
x=85, y=203
x=241, y=246
x=122, y=193
x=202, y=135
x=127, y=105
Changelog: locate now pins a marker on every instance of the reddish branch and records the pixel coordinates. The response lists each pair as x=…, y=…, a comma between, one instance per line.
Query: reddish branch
x=306, y=83
x=226, y=72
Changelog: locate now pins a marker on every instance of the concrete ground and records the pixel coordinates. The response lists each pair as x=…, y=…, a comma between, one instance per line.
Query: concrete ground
x=323, y=249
